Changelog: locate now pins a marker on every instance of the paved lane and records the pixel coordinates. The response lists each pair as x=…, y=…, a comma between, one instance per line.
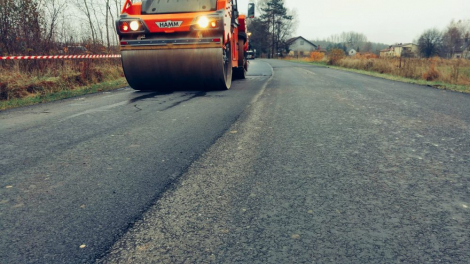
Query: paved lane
x=78, y=172
x=326, y=166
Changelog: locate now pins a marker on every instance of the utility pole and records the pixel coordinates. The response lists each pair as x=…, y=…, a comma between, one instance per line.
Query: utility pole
x=278, y=36
x=272, y=47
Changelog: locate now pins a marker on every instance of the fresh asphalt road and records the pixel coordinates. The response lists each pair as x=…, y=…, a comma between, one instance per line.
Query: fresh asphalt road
x=309, y=165
x=80, y=171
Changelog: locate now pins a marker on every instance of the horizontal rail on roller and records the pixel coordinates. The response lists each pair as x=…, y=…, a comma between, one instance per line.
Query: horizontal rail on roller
x=60, y=57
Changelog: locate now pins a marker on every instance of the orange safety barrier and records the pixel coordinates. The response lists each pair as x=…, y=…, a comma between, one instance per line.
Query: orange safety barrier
x=60, y=57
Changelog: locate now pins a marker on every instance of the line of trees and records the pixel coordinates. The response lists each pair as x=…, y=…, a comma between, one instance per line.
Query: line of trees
x=446, y=43
x=30, y=27
x=274, y=25
x=49, y=26
x=21, y=26
x=432, y=42
x=350, y=40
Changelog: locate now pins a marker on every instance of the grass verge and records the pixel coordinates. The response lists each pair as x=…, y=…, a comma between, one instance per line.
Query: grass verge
x=436, y=84
x=24, y=83
x=63, y=94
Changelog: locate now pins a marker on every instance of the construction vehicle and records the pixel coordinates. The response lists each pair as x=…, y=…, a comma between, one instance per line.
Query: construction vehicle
x=183, y=43
x=250, y=55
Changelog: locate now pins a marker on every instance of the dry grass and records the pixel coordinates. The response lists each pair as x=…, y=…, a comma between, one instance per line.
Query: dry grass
x=456, y=71
x=441, y=73
x=23, y=79
x=317, y=56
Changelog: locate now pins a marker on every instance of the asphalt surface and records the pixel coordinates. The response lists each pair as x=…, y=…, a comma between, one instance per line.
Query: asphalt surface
x=79, y=172
x=309, y=165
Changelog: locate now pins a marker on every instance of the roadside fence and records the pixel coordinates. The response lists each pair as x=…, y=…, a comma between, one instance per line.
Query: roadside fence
x=21, y=76
x=38, y=65
x=60, y=57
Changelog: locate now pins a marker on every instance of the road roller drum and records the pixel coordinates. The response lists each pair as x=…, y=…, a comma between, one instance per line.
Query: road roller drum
x=167, y=69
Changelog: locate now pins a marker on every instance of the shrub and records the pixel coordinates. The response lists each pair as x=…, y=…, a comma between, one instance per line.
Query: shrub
x=366, y=55
x=335, y=56
x=431, y=74
x=317, y=56
x=3, y=91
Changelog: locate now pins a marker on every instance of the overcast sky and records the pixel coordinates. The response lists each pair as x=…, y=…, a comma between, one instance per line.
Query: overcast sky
x=385, y=21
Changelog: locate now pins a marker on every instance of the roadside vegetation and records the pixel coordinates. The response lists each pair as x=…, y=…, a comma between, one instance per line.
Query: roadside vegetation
x=452, y=74
x=57, y=27
x=31, y=82
x=435, y=58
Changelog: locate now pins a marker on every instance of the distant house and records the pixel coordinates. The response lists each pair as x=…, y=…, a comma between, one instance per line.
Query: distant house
x=299, y=47
x=386, y=53
x=463, y=51
x=321, y=50
x=400, y=50
x=352, y=52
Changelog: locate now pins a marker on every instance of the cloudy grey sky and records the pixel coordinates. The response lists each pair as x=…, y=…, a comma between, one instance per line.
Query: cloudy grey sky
x=386, y=21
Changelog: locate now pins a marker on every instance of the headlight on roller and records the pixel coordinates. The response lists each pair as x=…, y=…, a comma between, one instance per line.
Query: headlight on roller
x=203, y=22
x=130, y=26
x=134, y=25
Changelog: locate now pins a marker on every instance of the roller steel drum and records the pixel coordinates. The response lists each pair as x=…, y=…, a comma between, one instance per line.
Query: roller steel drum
x=168, y=69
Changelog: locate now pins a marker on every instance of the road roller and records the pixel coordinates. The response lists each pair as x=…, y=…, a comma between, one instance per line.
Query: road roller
x=196, y=44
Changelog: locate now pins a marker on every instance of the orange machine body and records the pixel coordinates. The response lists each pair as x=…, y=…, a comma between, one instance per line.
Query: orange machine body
x=180, y=30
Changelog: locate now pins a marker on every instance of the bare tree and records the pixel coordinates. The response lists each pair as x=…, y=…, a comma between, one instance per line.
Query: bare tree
x=53, y=10
x=350, y=39
x=7, y=23
x=98, y=28
x=107, y=25
x=258, y=40
x=21, y=26
x=82, y=5
x=455, y=36
x=367, y=47
x=275, y=15
x=354, y=40
x=430, y=43
x=287, y=29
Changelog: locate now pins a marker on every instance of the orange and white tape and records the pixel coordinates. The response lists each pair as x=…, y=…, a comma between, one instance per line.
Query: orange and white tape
x=60, y=57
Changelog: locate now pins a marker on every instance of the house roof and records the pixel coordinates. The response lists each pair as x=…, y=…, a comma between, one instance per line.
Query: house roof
x=465, y=46
x=290, y=41
x=402, y=44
